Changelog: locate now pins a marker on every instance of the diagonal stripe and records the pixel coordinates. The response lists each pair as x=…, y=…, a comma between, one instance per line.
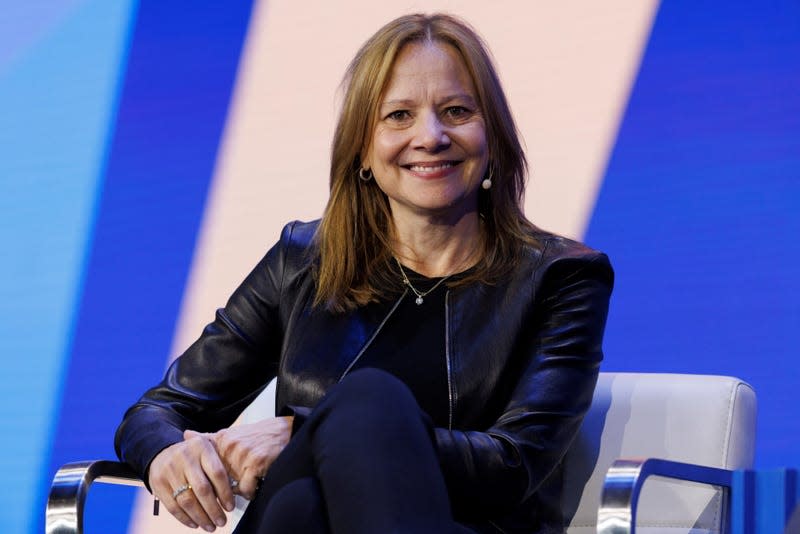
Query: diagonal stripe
x=175, y=98
x=53, y=141
x=26, y=24
x=699, y=207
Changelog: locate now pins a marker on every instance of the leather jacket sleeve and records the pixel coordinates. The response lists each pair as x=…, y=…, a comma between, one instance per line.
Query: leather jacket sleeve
x=241, y=347
x=496, y=470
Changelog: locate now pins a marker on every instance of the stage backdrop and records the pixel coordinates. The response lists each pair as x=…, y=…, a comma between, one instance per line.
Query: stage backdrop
x=150, y=154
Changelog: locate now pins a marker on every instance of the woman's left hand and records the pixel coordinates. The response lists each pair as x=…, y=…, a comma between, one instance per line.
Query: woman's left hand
x=248, y=450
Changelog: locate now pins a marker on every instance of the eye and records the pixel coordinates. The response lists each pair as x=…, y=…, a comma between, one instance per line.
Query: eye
x=457, y=112
x=398, y=115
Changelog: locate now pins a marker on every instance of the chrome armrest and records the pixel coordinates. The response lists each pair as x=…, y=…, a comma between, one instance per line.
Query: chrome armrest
x=624, y=481
x=71, y=484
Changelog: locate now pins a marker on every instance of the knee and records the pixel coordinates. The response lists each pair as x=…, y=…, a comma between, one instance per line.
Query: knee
x=376, y=389
x=368, y=404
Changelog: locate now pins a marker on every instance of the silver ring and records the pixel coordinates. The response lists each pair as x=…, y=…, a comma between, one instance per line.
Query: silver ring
x=178, y=491
x=234, y=483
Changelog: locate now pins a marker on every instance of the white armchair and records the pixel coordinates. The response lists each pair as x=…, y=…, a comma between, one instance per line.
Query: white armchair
x=693, y=419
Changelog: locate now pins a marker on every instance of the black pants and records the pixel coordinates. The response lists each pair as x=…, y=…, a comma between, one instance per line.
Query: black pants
x=363, y=462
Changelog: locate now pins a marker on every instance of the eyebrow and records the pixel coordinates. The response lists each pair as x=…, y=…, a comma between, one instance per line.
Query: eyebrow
x=449, y=98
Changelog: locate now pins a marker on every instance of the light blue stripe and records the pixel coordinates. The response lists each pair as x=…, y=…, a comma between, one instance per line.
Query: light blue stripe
x=57, y=100
x=24, y=24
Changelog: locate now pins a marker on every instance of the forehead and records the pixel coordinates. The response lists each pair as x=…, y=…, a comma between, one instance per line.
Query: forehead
x=428, y=64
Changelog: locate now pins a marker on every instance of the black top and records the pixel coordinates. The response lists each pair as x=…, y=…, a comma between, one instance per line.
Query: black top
x=411, y=346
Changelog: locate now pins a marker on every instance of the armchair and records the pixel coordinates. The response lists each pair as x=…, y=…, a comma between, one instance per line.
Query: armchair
x=687, y=427
x=674, y=427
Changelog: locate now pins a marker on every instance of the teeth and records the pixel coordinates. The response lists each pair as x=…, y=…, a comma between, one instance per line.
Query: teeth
x=429, y=168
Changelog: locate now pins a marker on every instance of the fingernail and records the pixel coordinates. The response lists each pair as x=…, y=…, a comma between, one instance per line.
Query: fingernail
x=229, y=506
x=220, y=522
x=209, y=528
x=192, y=525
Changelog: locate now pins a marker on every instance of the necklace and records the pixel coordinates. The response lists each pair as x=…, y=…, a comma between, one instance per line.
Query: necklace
x=420, y=294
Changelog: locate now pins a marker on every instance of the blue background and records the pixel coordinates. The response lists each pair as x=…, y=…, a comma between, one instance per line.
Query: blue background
x=700, y=208
x=111, y=114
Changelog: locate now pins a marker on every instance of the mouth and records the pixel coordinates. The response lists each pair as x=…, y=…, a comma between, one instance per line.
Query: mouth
x=431, y=167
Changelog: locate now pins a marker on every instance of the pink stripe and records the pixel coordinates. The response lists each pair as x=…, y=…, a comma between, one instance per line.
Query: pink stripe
x=568, y=85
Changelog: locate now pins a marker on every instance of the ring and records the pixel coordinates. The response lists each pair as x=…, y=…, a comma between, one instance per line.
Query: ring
x=178, y=491
x=234, y=483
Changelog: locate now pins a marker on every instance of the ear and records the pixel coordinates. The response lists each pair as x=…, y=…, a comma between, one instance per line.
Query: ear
x=365, y=154
x=364, y=159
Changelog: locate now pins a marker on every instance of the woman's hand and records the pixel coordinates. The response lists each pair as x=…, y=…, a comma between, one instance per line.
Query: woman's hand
x=208, y=463
x=248, y=450
x=195, y=463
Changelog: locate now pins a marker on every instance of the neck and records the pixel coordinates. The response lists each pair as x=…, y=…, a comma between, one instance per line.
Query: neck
x=439, y=248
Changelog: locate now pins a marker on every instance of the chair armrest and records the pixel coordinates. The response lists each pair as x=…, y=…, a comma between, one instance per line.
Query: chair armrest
x=624, y=481
x=70, y=486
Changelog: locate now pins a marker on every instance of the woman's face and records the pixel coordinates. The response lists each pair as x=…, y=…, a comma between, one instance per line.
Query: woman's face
x=428, y=150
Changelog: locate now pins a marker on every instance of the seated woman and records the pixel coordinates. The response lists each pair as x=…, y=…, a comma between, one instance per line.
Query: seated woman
x=435, y=351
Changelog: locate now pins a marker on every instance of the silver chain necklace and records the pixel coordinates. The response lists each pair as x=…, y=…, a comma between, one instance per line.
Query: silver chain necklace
x=420, y=294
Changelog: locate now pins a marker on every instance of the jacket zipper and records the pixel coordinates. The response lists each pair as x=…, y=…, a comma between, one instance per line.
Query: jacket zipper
x=373, y=336
x=450, y=394
x=500, y=530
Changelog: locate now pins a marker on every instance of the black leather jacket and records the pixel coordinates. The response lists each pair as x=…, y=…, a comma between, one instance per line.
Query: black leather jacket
x=522, y=361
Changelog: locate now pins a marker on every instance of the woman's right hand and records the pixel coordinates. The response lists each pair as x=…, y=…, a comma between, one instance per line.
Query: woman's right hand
x=193, y=462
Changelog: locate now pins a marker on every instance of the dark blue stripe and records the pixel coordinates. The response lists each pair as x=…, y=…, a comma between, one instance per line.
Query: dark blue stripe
x=699, y=207
x=173, y=108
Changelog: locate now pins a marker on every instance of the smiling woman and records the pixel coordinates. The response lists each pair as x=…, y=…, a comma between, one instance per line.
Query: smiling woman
x=428, y=150
x=435, y=352
x=421, y=76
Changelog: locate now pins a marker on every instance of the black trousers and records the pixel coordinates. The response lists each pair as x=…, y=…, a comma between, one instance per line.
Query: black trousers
x=363, y=462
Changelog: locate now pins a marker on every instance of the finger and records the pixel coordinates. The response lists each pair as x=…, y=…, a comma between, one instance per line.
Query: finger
x=249, y=483
x=224, y=446
x=221, y=473
x=188, y=502
x=218, y=476
x=199, y=503
x=189, y=434
x=166, y=474
x=165, y=496
x=204, y=499
x=217, y=471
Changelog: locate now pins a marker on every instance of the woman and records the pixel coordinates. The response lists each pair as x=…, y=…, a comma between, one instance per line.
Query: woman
x=435, y=352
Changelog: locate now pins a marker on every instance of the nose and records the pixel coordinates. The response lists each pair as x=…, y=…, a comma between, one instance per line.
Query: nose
x=430, y=134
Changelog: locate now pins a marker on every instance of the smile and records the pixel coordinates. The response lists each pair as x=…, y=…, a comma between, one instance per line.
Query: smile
x=431, y=167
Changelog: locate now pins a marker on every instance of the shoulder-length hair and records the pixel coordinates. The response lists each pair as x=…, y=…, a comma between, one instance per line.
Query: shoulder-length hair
x=353, y=252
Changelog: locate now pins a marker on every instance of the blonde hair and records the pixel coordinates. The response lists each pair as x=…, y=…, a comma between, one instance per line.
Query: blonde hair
x=353, y=252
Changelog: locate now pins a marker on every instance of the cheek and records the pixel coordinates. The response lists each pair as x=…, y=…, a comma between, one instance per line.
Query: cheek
x=386, y=147
x=477, y=139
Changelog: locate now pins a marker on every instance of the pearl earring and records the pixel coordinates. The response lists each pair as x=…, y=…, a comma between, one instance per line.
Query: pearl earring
x=487, y=182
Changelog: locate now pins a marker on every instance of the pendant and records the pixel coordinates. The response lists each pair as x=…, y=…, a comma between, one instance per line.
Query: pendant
x=418, y=301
